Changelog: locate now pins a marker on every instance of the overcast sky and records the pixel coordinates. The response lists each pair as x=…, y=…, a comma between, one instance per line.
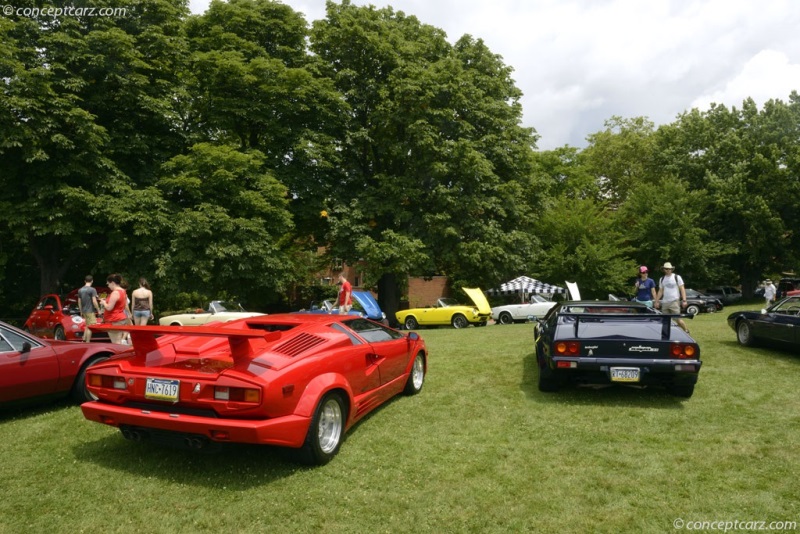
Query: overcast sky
x=580, y=62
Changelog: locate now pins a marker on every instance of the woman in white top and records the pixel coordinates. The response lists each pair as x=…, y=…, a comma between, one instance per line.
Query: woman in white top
x=142, y=303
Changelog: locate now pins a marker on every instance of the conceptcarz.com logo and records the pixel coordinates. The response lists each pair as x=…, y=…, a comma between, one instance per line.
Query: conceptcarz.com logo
x=57, y=12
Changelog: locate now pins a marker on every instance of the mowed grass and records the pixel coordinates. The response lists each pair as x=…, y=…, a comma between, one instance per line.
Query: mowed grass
x=479, y=450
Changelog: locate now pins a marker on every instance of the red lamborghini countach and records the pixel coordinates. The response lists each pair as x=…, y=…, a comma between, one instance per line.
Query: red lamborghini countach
x=298, y=381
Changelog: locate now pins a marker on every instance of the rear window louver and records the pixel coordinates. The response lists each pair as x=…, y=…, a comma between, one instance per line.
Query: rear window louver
x=298, y=345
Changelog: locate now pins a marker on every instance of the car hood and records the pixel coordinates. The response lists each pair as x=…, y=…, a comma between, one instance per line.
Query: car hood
x=370, y=305
x=479, y=299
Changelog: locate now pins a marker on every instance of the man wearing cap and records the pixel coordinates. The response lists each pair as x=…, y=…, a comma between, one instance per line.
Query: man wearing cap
x=671, y=294
x=645, y=288
x=769, y=291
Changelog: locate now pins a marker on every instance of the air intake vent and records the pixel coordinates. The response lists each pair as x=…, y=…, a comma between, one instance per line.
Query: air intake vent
x=299, y=344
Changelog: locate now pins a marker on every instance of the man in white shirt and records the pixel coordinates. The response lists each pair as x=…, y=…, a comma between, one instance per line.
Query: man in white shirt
x=671, y=296
x=769, y=291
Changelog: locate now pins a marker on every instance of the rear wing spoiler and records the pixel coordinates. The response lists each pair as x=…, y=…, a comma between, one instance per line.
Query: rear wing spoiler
x=666, y=320
x=243, y=342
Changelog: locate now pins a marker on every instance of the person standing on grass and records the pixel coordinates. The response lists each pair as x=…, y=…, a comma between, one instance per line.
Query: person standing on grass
x=769, y=292
x=671, y=294
x=645, y=288
x=114, y=307
x=345, y=300
x=90, y=308
x=142, y=303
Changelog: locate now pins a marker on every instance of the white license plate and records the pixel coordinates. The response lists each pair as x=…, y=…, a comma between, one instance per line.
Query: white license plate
x=624, y=374
x=160, y=389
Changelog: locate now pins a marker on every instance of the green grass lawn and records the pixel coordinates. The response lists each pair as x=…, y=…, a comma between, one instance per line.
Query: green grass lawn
x=479, y=450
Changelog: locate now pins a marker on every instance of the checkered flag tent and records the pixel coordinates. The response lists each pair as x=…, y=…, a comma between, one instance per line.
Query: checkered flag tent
x=525, y=285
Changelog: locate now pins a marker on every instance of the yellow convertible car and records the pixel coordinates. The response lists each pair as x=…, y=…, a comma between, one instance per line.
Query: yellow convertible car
x=448, y=311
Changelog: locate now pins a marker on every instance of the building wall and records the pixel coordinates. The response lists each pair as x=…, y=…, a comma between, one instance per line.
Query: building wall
x=425, y=291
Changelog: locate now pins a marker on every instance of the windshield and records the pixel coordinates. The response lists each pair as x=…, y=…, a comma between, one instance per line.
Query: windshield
x=447, y=302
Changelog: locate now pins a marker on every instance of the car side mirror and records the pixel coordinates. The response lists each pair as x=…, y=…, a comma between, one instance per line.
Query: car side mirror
x=26, y=347
x=413, y=336
x=764, y=311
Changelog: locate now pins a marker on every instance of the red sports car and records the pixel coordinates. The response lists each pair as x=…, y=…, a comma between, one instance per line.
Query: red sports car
x=32, y=367
x=293, y=380
x=57, y=317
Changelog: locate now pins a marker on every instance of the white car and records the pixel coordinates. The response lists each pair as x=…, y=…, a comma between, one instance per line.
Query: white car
x=511, y=313
x=218, y=311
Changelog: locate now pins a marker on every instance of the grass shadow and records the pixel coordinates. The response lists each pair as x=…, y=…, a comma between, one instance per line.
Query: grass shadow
x=34, y=408
x=608, y=395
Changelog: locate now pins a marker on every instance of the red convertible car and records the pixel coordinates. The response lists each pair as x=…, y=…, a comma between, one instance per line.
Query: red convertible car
x=32, y=367
x=58, y=317
x=292, y=380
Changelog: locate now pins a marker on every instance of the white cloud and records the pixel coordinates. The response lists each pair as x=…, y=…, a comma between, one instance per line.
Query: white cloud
x=579, y=62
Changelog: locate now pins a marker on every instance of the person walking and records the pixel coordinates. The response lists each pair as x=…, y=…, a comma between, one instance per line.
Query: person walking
x=89, y=306
x=142, y=303
x=671, y=296
x=645, y=288
x=114, y=307
x=770, y=292
x=345, y=300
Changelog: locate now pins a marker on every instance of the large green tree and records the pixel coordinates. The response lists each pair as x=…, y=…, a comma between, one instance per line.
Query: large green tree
x=437, y=171
x=84, y=121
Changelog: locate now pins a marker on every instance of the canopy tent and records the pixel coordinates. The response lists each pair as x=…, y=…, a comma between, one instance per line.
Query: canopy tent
x=525, y=285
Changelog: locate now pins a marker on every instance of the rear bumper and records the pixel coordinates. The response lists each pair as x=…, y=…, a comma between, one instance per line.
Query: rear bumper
x=651, y=372
x=287, y=431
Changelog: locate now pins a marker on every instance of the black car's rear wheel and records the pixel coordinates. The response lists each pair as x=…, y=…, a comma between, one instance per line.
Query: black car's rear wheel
x=548, y=381
x=326, y=432
x=684, y=391
x=459, y=321
x=411, y=323
x=59, y=334
x=505, y=318
x=744, y=333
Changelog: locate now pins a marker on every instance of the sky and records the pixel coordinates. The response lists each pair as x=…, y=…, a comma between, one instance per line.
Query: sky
x=581, y=62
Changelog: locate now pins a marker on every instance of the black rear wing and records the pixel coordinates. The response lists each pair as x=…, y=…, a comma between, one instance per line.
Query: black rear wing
x=665, y=320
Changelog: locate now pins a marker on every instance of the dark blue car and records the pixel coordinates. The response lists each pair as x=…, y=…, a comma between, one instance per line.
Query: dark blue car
x=779, y=324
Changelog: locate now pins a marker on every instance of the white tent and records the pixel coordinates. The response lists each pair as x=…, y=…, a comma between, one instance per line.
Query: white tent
x=524, y=285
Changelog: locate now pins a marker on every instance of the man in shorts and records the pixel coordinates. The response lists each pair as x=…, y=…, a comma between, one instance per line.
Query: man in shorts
x=87, y=302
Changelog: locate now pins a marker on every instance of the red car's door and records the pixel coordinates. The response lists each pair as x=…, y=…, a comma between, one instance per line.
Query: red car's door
x=389, y=348
x=25, y=374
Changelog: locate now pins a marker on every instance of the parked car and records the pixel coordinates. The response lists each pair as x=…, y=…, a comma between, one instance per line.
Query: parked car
x=517, y=313
x=32, y=368
x=218, y=311
x=294, y=380
x=697, y=302
x=609, y=342
x=779, y=324
x=58, y=317
x=364, y=305
x=726, y=294
x=788, y=286
x=448, y=311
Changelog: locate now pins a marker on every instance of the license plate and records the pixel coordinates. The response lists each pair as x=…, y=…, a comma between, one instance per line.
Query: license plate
x=624, y=374
x=160, y=389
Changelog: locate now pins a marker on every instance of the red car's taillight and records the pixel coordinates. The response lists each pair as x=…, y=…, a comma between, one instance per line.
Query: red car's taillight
x=237, y=394
x=108, y=382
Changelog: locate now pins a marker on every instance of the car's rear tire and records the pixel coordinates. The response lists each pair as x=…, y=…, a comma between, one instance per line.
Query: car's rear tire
x=416, y=378
x=693, y=309
x=326, y=432
x=59, y=334
x=505, y=318
x=411, y=323
x=80, y=393
x=744, y=334
x=548, y=382
x=684, y=391
x=459, y=321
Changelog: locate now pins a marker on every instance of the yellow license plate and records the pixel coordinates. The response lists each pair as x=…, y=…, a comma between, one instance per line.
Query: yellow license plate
x=624, y=374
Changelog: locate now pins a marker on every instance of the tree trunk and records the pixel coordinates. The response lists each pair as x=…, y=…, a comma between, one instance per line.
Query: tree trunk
x=52, y=267
x=389, y=297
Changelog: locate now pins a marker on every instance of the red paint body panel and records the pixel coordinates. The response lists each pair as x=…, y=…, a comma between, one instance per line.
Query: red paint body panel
x=47, y=369
x=292, y=360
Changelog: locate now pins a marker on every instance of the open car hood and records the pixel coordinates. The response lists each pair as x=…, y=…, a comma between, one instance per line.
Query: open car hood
x=370, y=305
x=479, y=299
